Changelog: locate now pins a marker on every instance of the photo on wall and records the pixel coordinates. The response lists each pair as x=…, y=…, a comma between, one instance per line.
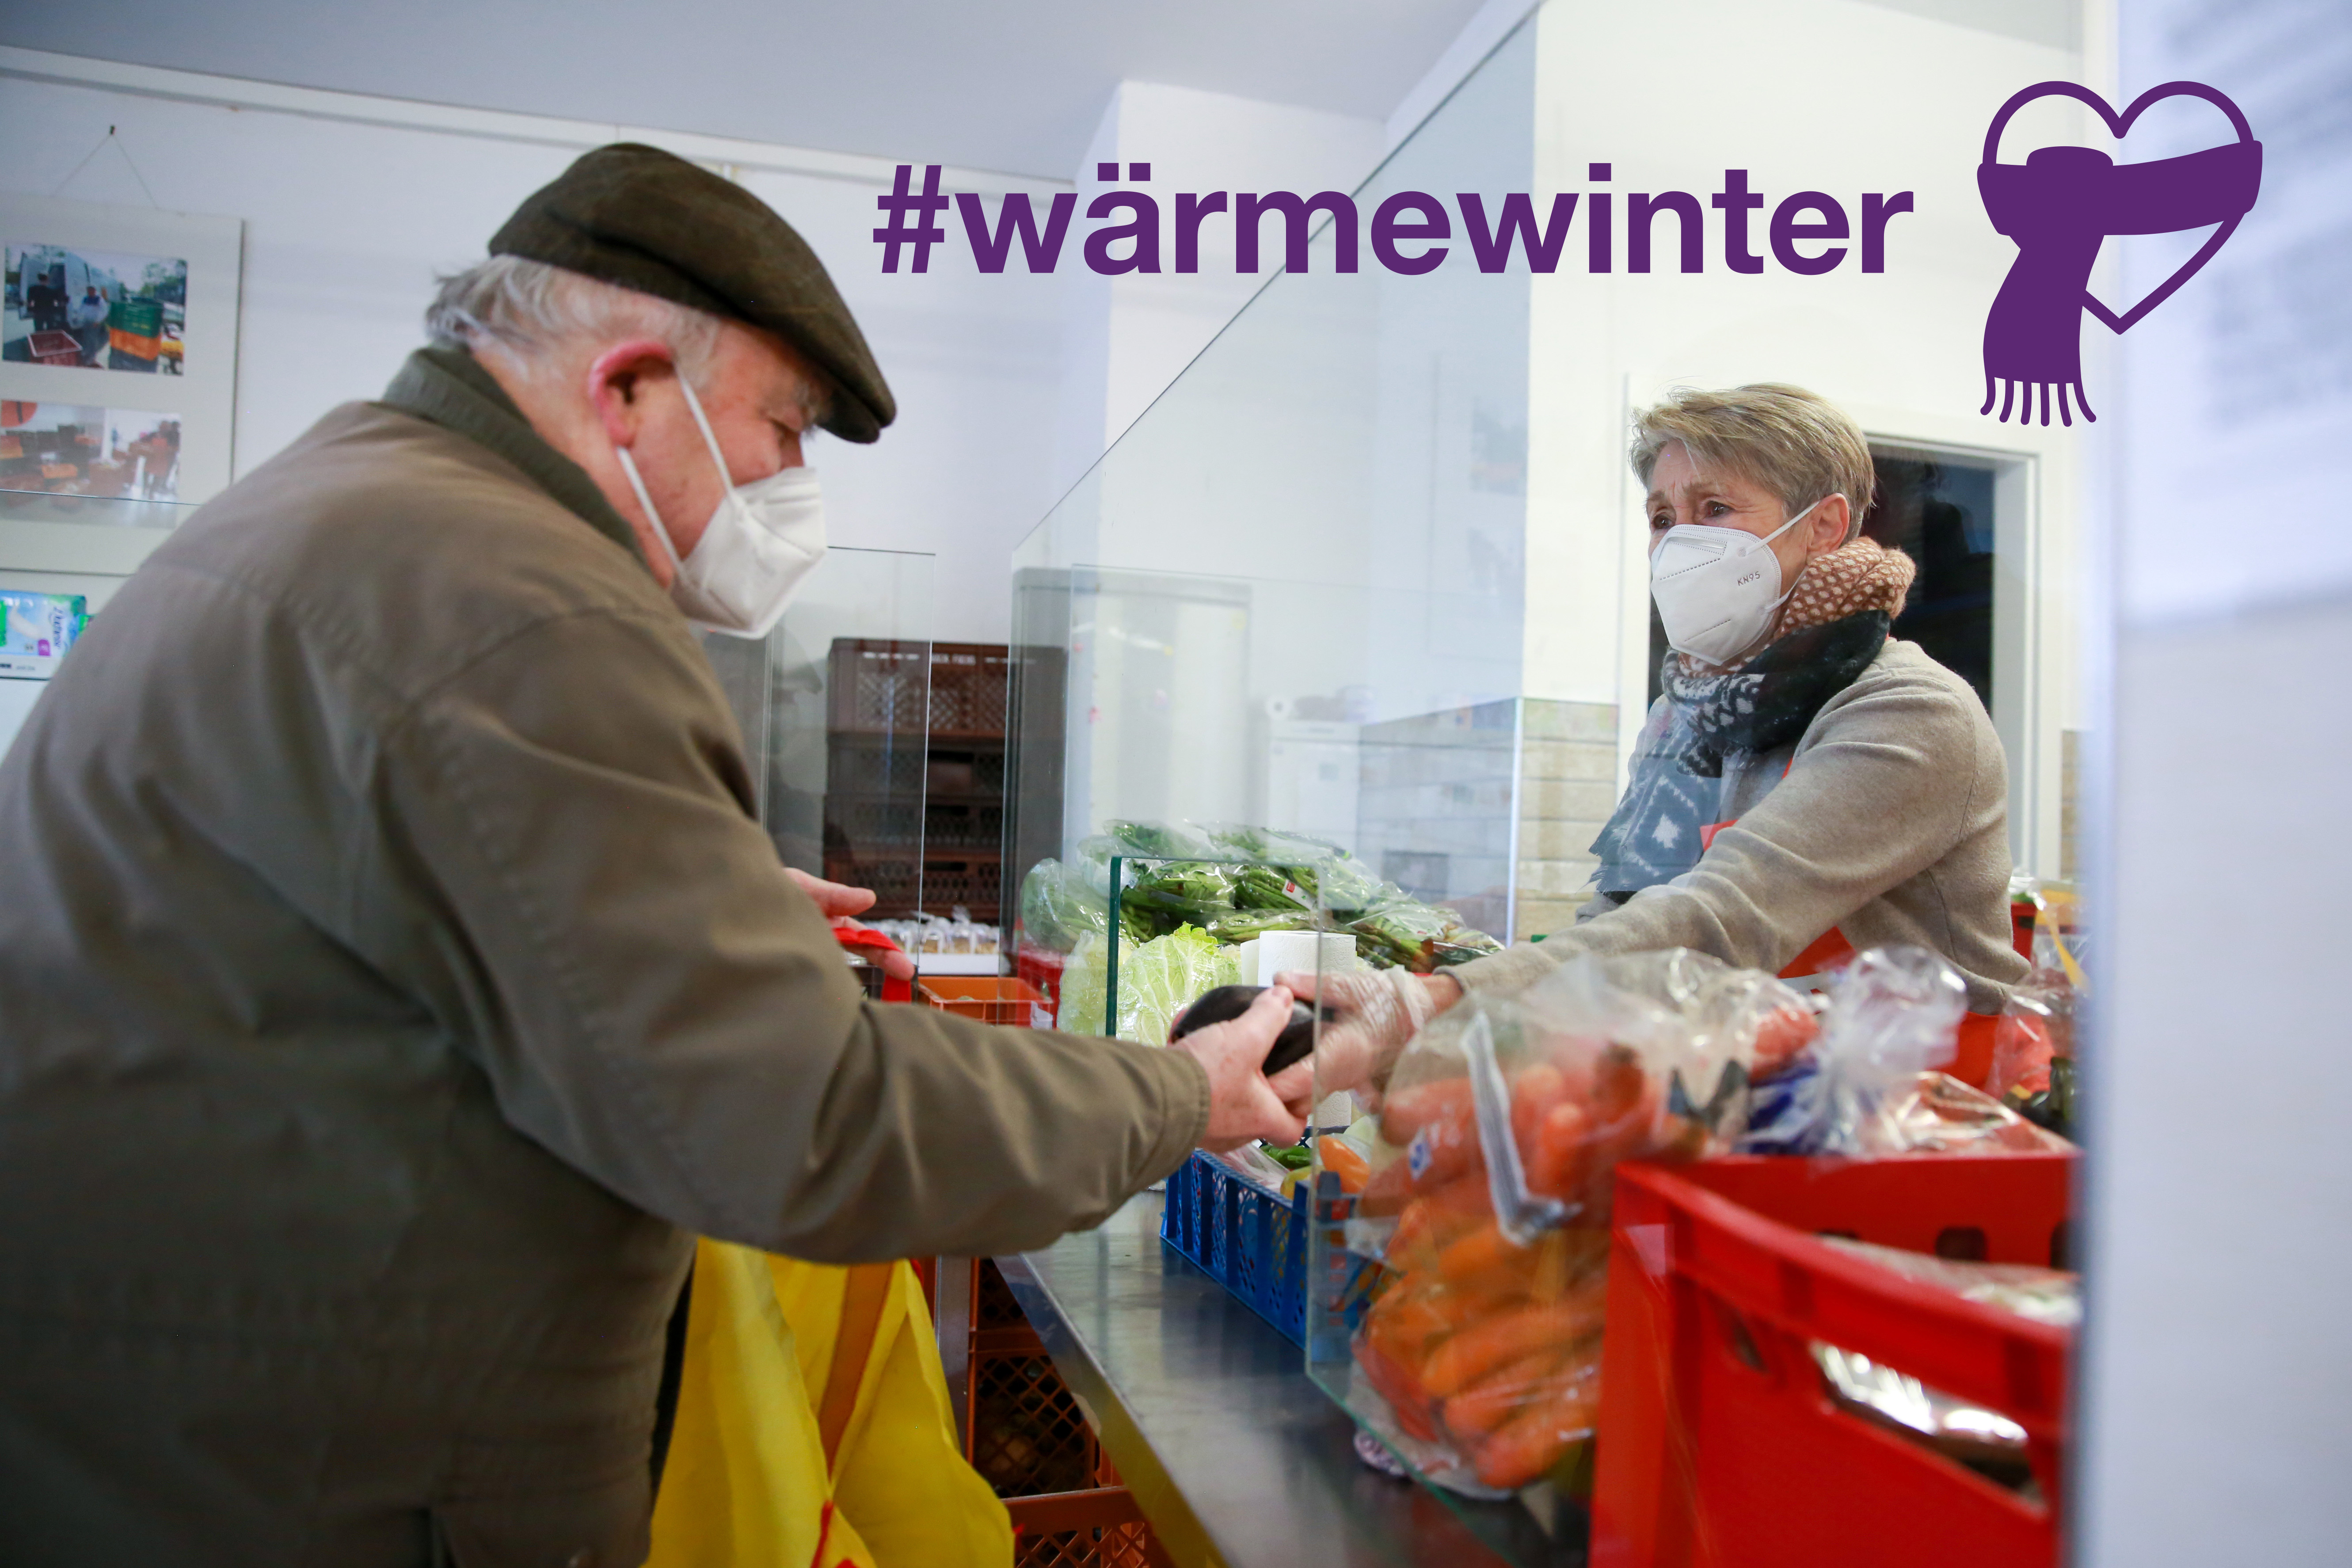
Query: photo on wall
x=74, y=449
x=76, y=307
x=94, y=471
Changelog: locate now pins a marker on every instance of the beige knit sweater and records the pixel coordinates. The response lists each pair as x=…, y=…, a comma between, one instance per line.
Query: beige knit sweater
x=1891, y=824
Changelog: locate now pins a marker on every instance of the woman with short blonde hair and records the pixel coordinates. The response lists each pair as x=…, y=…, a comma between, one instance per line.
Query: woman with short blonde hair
x=1806, y=783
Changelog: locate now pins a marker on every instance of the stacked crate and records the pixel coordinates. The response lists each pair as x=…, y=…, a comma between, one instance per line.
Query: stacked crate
x=1024, y=1432
x=914, y=804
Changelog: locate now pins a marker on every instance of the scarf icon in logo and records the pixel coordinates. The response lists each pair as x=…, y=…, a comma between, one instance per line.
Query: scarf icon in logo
x=2060, y=204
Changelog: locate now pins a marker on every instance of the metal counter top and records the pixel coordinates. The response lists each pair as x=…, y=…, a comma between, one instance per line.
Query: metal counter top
x=1233, y=1455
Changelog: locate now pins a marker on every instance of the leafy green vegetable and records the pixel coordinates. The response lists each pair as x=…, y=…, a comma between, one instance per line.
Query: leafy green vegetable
x=1158, y=840
x=1274, y=887
x=1193, y=891
x=1419, y=937
x=1247, y=925
x=1057, y=907
x=1156, y=979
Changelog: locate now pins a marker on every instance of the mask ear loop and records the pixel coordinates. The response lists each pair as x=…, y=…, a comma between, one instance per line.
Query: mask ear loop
x=1795, y=517
x=661, y=530
x=694, y=406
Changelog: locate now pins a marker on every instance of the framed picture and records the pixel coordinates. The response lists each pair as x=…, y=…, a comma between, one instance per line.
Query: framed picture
x=117, y=378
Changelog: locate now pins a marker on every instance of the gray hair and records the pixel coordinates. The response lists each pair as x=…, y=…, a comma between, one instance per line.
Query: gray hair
x=1795, y=444
x=533, y=313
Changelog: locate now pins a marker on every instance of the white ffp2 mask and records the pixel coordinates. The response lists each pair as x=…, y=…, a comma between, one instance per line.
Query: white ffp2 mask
x=762, y=540
x=1718, y=589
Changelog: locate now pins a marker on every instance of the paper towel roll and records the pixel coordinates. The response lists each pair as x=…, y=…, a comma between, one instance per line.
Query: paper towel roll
x=1285, y=950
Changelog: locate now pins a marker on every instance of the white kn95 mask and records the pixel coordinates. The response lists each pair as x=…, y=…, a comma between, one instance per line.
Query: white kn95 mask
x=1718, y=589
x=763, y=542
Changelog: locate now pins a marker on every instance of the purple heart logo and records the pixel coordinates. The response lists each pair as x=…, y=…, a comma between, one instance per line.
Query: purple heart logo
x=2061, y=203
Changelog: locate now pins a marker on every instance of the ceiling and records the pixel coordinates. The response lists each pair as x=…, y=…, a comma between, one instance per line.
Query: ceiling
x=1014, y=86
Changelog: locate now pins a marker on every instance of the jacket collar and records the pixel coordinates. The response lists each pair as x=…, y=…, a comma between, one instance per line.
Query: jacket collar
x=448, y=387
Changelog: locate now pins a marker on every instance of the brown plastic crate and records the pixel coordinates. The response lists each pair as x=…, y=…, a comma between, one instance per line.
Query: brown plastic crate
x=969, y=683
x=882, y=685
x=860, y=820
x=876, y=765
x=1027, y=1436
x=878, y=686
x=895, y=875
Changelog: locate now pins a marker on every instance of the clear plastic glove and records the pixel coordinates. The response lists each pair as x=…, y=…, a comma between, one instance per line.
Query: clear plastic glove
x=838, y=902
x=1375, y=1012
x=1243, y=1103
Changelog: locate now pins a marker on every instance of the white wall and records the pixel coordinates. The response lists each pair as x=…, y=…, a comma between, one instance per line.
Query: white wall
x=351, y=205
x=1838, y=96
x=1128, y=336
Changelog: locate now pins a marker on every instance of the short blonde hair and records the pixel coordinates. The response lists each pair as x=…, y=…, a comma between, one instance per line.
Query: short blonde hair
x=1800, y=447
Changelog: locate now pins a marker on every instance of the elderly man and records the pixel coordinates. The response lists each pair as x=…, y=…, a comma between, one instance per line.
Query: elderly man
x=393, y=975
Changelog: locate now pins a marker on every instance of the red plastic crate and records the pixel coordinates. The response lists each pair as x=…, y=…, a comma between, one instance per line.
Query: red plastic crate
x=1042, y=970
x=1720, y=1444
x=54, y=348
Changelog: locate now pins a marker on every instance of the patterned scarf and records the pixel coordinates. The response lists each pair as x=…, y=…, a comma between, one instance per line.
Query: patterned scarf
x=1832, y=626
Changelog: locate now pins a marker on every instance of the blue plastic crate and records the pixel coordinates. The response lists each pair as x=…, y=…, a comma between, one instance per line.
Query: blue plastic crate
x=1243, y=1236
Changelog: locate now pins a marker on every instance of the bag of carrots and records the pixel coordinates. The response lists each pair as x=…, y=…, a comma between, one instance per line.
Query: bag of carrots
x=1486, y=1206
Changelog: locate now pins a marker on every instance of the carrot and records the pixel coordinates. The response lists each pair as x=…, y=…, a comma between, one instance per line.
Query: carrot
x=1458, y=1206
x=1476, y=1411
x=1782, y=1035
x=1406, y=1331
x=1408, y=1111
x=1481, y=1251
x=1534, y=1440
x=1555, y=1165
x=1444, y=1151
x=1482, y=1347
x=1340, y=1158
x=1618, y=1082
x=1389, y=1191
x=1539, y=1088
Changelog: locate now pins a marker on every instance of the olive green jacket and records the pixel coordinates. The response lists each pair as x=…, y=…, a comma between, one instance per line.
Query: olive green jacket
x=391, y=974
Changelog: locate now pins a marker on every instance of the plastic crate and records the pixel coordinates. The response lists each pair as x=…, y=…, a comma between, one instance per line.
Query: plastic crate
x=53, y=348
x=1720, y=1444
x=879, y=686
x=974, y=883
x=876, y=765
x=1243, y=1236
x=989, y=998
x=883, y=685
x=1042, y=970
x=969, y=683
x=860, y=820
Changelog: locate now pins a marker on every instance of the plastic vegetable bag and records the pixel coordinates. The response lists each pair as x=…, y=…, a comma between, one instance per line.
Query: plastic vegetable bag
x=1420, y=937
x=2033, y=1049
x=1058, y=907
x=1869, y=1087
x=1500, y=1133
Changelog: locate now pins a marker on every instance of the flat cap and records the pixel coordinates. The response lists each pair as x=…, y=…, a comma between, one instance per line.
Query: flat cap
x=648, y=220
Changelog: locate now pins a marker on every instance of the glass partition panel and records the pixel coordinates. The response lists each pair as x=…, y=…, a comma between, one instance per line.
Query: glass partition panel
x=835, y=707
x=1266, y=711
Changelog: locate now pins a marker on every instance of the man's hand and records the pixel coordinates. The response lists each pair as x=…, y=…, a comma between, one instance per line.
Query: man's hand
x=1244, y=1104
x=1376, y=1012
x=839, y=902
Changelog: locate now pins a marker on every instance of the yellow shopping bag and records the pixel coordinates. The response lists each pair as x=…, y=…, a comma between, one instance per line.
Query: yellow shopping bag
x=814, y=1428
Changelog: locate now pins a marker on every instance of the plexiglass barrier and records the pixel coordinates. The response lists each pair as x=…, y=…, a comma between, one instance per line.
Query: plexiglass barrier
x=836, y=708
x=1267, y=708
